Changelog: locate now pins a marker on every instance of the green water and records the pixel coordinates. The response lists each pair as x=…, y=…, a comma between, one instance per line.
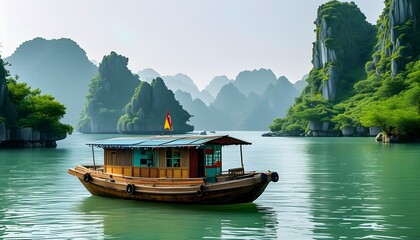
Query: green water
x=329, y=188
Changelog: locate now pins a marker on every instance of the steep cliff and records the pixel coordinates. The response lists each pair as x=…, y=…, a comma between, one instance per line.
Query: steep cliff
x=386, y=99
x=109, y=91
x=344, y=41
x=398, y=37
x=146, y=111
x=7, y=110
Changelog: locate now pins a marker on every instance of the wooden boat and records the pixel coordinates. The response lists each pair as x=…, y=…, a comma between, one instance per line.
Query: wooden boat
x=175, y=169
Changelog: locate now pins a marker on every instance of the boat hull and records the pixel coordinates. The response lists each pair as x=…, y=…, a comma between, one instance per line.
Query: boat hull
x=244, y=190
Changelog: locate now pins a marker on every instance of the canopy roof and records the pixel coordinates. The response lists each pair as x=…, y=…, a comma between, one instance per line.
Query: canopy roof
x=167, y=141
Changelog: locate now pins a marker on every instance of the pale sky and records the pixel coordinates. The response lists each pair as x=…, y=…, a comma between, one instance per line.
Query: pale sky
x=202, y=39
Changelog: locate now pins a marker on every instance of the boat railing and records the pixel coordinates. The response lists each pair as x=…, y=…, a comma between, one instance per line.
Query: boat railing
x=235, y=172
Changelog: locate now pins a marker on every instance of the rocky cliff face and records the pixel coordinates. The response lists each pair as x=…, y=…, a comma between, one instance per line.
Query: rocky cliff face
x=109, y=91
x=343, y=40
x=7, y=110
x=396, y=34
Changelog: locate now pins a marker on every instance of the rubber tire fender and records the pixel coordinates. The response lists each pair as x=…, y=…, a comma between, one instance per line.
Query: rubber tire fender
x=274, y=176
x=87, y=177
x=203, y=188
x=131, y=188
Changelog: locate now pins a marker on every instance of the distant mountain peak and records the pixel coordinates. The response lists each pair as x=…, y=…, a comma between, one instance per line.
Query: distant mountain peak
x=148, y=74
x=255, y=80
x=59, y=67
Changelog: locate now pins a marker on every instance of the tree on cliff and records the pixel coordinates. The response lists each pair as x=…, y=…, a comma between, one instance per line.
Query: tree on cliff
x=38, y=111
x=344, y=41
x=389, y=95
x=109, y=91
x=22, y=107
x=147, y=109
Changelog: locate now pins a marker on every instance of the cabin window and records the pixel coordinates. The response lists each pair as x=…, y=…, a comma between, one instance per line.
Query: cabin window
x=212, y=155
x=173, y=157
x=143, y=157
x=208, y=156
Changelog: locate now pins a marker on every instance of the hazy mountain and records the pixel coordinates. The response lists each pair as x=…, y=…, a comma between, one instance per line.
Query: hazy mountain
x=216, y=84
x=182, y=82
x=254, y=81
x=206, y=97
x=58, y=67
x=201, y=115
x=177, y=82
x=275, y=102
x=233, y=110
x=301, y=84
x=148, y=75
x=231, y=105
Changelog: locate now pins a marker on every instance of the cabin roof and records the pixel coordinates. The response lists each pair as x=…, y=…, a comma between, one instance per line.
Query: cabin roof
x=168, y=141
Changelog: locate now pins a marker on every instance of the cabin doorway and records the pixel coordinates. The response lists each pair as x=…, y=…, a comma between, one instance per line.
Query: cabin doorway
x=201, y=163
x=197, y=163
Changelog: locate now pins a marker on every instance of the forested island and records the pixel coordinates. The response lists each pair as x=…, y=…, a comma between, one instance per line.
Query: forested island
x=365, y=79
x=118, y=102
x=27, y=117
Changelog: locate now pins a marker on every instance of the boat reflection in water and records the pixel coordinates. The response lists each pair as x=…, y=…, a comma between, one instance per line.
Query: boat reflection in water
x=145, y=220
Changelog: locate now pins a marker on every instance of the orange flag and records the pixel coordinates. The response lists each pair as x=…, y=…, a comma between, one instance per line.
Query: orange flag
x=168, y=122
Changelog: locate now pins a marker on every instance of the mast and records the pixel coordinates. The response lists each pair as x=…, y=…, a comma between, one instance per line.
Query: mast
x=242, y=160
x=93, y=156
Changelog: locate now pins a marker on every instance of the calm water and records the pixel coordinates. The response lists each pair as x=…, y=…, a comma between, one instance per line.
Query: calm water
x=329, y=188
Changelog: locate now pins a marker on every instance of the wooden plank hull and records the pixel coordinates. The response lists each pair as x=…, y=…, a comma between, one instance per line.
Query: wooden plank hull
x=195, y=191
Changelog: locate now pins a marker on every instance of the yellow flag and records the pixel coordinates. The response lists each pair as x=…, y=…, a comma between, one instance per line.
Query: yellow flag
x=168, y=122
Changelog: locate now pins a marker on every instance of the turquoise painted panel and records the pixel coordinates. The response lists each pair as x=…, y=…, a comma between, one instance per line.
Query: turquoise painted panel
x=137, y=156
x=211, y=172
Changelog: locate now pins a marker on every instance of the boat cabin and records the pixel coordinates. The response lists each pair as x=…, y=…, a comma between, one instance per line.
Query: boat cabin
x=186, y=156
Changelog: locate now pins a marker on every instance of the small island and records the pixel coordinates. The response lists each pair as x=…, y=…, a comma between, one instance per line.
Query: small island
x=119, y=102
x=27, y=117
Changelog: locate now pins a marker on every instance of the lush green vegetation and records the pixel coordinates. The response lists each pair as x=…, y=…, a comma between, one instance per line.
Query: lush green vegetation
x=109, y=91
x=118, y=101
x=35, y=110
x=384, y=92
x=147, y=110
x=39, y=111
